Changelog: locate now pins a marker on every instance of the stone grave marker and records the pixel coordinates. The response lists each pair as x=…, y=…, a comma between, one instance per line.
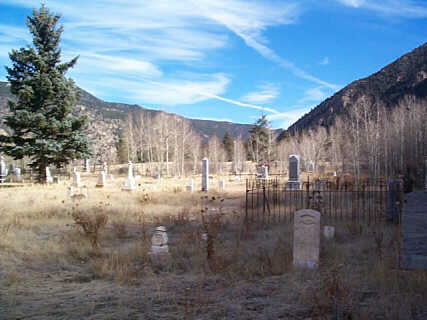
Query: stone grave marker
x=190, y=186
x=18, y=176
x=205, y=174
x=263, y=172
x=394, y=200
x=328, y=232
x=221, y=185
x=101, y=179
x=87, y=165
x=425, y=174
x=159, y=241
x=130, y=180
x=77, y=180
x=3, y=170
x=306, y=238
x=294, y=182
x=105, y=167
x=49, y=178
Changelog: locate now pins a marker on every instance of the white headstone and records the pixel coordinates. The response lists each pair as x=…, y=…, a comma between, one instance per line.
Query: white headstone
x=101, y=179
x=159, y=241
x=87, y=165
x=328, y=232
x=306, y=238
x=263, y=172
x=3, y=170
x=190, y=186
x=205, y=174
x=76, y=180
x=130, y=180
x=221, y=185
x=49, y=178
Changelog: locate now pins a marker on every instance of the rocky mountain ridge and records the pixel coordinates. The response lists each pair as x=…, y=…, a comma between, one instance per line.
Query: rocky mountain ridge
x=105, y=119
x=404, y=78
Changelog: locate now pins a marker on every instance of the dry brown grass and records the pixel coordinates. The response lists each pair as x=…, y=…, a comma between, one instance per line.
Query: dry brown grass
x=218, y=266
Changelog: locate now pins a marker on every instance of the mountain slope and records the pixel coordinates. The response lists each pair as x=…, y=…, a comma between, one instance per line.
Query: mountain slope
x=105, y=118
x=407, y=76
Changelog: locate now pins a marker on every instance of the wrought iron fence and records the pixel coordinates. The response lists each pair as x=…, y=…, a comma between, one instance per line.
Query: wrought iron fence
x=269, y=201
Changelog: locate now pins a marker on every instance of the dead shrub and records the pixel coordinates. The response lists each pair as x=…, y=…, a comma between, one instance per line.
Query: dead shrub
x=211, y=224
x=114, y=266
x=91, y=225
x=120, y=229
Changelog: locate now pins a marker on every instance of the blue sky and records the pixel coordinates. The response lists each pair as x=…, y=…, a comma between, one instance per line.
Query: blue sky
x=224, y=59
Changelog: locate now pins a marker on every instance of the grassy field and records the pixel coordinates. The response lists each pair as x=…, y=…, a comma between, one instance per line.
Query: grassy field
x=89, y=258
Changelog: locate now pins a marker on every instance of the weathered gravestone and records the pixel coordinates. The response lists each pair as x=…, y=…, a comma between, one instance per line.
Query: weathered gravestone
x=49, y=178
x=306, y=238
x=328, y=232
x=3, y=170
x=425, y=174
x=130, y=180
x=262, y=172
x=87, y=165
x=221, y=185
x=77, y=180
x=205, y=174
x=294, y=182
x=159, y=241
x=18, y=176
x=190, y=186
x=101, y=179
x=394, y=200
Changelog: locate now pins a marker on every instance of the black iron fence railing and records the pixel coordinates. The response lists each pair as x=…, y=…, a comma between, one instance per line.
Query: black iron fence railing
x=270, y=201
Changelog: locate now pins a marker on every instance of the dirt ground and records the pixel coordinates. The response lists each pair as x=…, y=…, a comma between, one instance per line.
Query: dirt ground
x=49, y=269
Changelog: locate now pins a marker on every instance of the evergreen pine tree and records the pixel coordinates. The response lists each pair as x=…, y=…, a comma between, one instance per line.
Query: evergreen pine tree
x=258, y=141
x=40, y=118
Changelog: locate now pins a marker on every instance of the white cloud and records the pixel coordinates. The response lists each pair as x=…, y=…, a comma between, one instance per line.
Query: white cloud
x=165, y=91
x=212, y=119
x=91, y=61
x=286, y=119
x=266, y=93
x=395, y=8
x=352, y=3
x=248, y=19
x=241, y=104
x=126, y=41
x=324, y=62
x=314, y=94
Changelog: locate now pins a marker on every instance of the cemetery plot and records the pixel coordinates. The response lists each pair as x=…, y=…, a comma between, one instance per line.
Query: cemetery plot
x=272, y=201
